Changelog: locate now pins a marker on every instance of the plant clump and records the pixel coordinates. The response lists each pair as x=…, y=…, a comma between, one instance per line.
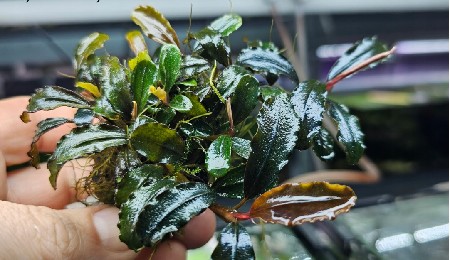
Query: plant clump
x=168, y=133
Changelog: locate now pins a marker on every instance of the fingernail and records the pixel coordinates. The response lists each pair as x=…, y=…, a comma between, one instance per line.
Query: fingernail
x=105, y=222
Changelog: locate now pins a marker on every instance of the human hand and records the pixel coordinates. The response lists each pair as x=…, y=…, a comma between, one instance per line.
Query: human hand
x=34, y=222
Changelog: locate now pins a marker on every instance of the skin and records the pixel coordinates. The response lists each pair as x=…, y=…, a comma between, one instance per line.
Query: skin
x=35, y=223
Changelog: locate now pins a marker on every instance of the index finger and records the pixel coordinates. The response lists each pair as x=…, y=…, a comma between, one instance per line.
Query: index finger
x=16, y=136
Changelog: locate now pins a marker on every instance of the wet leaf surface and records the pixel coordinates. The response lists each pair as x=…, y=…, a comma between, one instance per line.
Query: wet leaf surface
x=213, y=46
x=158, y=143
x=192, y=65
x=155, y=25
x=181, y=103
x=144, y=75
x=358, y=53
x=169, y=65
x=245, y=98
x=136, y=42
x=234, y=244
x=49, y=98
x=88, y=45
x=82, y=142
x=197, y=107
x=349, y=132
x=83, y=117
x=308, y=100
x=226, y=24
x=242, y=147
x=229, y=80
x=294, y=204
x=218, y=156
x=171, y=210
x=196, y=129
x=268, y=92
x=323, y=145
x=232, y=184
x=271, y=146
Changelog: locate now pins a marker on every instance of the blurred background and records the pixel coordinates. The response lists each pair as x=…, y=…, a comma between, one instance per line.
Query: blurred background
x=402, y=104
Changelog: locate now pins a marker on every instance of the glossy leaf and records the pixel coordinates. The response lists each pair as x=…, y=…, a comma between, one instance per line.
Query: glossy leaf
x=171, y=210
x=196, y=129
x=295, y=204
x=308, y=101
x=82, y=142
x=232, y=184
x=268, y=92
x=323, y=145
x=141, y=56
x=234, y=243
x=135, y=178
x=158, y=143
x=192, y=66
x=271, y=146
x=265, y=60
x=357, y=54
x=197, y=107
x=134, y=206
x=349, y=132
x=155, y=25
x=141, y=120
x=49, y=98
x=218, y=156
x=229, y=80
x=83, y=117
x=226, y=24
x=165, y=115
x=169, y=65
x=213, y=47
x=245, y=98
x=43, y=127
x=90, y=70
x=136, y=42
x=242, y=147
x=144, y=75
x=181, y=103
x=88, y=45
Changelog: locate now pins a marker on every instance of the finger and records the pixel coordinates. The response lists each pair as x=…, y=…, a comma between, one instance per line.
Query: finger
x=169, y=249
x=87, y=233
x=16, y=136
x=3, y=187
x=31, y=186
x=198, y=231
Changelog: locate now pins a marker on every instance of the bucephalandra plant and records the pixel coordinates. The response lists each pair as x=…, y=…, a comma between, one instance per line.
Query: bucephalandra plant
x=166, y=134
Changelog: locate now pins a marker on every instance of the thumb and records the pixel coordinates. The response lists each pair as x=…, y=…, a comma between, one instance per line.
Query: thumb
x=34, y=232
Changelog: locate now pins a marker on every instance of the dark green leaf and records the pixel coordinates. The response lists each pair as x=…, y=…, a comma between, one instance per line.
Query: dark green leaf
x=229, y=80
x=169, y=65
x=192, y=66
x=234, y=244
x=49, y=98
x=135, y=178
x=197, y=107
x=358, y=53
x=83, y=117
x=242, y=147
x=141, y=120
x=308, y=101
x=82, y=142
x=323, y=145
x=134, y=206
x=88, y=45
x=158, y=143
x=226, y=24
x=349, y=132
x=271, y=146
x=181, y=103
x=213, y=46
x=90, y=70
x=165, y=115
x=155, y=25
x=43, y=127
x=232, y=184
x=196, y=129
x=144, y=75
x=218, y=156
x=265, y=60
x=171, y=210
x=269, y=92
x=245, y=98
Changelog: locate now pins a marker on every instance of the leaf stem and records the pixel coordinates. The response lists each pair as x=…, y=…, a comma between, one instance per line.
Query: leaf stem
x=358, y=67
x=230, y=117
x=224, y=213
x=211, y=83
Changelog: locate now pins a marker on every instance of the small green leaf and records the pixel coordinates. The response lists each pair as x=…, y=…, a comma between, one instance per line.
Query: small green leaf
x=171, y=210
x=155, y=25
x=144, y=75
x=308, y=100
x=229, y=80
x=271, y=146
x=323, y=145
x=169, y=65
x=135, y=178
x=234, y=243
x=181, y=103
x=134, y=206
x=266, y=60
x=83, y=117
x=197, y=129
x=88, y=45
x=245, y=98
x=136, y=42
x=212, y=46
x=158, y=143
x=82, y=142
x=232, y=184
x=197, y=107
x=218, y=156
x=268, y=92
x=349, y=132
x=242, y=147
x=141, y=120
x=189, y=83
x=49, y=98
x=165, y=115
x=192, y=66
x=226, y=24
x=358, y=53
